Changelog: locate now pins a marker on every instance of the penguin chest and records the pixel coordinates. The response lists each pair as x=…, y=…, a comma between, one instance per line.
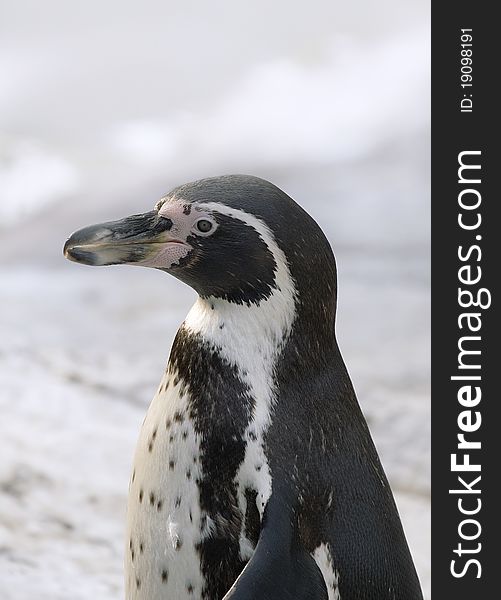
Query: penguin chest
x=186, y=530
x=164, y=520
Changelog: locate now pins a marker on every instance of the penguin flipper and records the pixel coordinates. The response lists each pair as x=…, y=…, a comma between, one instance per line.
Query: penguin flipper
x=280, y=568
x=270, y=575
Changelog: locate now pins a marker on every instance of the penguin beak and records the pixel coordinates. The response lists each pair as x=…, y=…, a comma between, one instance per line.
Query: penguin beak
x=138, y=239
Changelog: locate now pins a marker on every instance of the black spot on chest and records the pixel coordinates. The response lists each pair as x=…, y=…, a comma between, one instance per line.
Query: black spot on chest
x=252, y=518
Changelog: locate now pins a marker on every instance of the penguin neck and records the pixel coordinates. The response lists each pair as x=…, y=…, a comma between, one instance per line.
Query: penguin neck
x=248, y=337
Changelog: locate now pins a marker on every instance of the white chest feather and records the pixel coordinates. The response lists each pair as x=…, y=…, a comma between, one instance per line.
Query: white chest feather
x=164, y=521
x=323, y=558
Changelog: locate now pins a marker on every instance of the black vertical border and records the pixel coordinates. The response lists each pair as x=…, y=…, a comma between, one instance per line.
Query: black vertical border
x=453, y=132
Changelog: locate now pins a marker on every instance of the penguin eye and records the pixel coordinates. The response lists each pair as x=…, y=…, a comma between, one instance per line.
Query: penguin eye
x=204, y=225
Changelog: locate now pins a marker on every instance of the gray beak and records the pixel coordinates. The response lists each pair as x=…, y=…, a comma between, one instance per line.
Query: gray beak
x=127, y=241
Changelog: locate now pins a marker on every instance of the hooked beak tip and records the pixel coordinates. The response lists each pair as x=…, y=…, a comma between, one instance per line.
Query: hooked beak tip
x=67, y=249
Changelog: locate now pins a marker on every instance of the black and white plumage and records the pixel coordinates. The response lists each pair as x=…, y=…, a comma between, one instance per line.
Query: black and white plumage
x=255, y=475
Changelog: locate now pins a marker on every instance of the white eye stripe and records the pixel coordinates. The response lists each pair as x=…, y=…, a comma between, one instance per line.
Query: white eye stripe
x=160, y=203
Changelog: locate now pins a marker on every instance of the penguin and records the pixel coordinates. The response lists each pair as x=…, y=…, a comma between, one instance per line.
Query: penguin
x=255, y=475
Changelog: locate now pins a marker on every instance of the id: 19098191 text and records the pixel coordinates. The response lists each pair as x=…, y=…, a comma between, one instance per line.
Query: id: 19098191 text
x=467, y=70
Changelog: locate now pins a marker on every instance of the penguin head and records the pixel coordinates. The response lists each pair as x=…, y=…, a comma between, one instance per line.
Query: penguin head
x=238, y=238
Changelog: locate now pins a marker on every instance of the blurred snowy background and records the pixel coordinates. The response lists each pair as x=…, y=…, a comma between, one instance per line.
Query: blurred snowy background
x=104, y=106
